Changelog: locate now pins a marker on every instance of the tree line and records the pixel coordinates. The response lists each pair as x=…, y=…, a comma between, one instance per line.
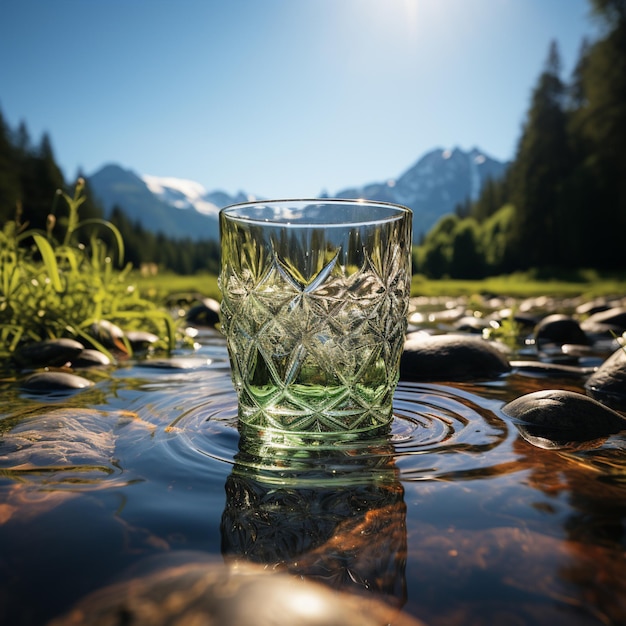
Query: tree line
x=561, y=205
x=29, y=180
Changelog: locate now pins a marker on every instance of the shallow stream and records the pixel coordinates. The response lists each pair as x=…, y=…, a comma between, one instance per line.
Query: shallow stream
x=452, y=516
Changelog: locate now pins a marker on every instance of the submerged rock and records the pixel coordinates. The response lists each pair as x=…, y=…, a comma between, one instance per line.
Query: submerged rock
x=608, y=383
x=212, y=594
x=64, y=445
x=450, y=357
x=555, y=418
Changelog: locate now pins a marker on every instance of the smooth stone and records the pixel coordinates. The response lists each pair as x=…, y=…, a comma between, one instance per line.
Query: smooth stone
x=195, y=593
x=551, y=369
x=609, y=322
x=66, y=443
x=608, y=383
x=54, y=381
x=49, y=353
x=450, y=357
x=109, y=335
x=207, y=313
x=141, y=339
x=174, y=363
x=559, y=329
x=471, y=324
x=591, y=307
x=90, y=358
x=555, y=418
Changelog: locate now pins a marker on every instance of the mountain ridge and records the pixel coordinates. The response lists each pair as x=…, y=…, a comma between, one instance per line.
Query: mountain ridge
x=432, y=187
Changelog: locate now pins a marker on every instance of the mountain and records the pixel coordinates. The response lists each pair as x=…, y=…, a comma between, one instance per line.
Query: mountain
x=434, y=186
x=174, y=207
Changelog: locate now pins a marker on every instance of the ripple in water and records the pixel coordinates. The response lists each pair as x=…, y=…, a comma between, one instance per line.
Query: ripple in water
x=438, y=432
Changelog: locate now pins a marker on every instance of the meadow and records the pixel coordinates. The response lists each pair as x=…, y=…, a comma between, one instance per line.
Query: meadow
x=586, y=284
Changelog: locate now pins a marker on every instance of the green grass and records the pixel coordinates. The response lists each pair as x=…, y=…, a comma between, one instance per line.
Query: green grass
x=164, y=285
x=51, y=288
x=588, y=284
x=522, y=286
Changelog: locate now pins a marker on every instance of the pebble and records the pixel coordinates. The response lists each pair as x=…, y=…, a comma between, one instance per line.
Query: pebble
x=141, y=340
x=207, y=313
x=555, y=418
x=49, y=353
x=610, y=322
x=109, y=335
x=450, y=357
x=54, y=381
x=608, y=383
x=90, y=358
x=559, y=329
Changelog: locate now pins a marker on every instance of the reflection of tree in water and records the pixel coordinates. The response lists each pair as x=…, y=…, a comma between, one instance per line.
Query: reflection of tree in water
x=338, y=517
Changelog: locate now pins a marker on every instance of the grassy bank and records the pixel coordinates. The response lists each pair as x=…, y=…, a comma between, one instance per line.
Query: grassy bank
x=589, y=285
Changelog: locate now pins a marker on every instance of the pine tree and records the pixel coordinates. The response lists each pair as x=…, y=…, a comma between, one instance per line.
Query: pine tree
x=9, y=174
x=40, y=178
x=600, y=123
x=541, y=164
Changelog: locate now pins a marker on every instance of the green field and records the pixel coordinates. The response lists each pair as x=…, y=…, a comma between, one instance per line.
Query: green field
x=588, y=284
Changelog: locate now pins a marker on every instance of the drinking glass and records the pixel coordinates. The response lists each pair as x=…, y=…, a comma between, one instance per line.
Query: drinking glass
x=315, y=295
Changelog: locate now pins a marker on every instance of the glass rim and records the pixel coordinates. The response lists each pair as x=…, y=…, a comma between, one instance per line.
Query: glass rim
x=396, y=212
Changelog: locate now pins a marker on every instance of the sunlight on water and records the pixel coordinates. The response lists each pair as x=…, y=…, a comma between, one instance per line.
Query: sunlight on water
x=449, y=514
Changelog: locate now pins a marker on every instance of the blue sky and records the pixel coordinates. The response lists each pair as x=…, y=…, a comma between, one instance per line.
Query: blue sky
x=279, y=98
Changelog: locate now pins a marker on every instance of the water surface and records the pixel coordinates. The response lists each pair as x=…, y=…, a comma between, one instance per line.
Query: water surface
x=451, y=516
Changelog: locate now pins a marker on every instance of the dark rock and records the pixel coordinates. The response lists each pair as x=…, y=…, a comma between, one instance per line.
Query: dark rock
x=207, y=313
x=554, y=418
x=50, y=353
x=471, y=324
x=174, y=363
x=609, y=322
x=559, y=329
x=141, y=340
x=450, y=357
x=109, y=335
x=551, y=369
x=591, y=307
x=608, y=383
x=54, y=381
x=90, y=358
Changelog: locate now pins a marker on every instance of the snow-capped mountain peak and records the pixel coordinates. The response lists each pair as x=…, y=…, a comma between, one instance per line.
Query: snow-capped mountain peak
x=181, y=193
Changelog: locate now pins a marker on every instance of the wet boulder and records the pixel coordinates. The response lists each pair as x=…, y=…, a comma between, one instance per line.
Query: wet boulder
x=559, y=329
x=43, y=382
x=554, y=418
x=141, y=340
x=90, y=358
x=609, y=322
x=207, y=313
x=110, y=335
x=49, y=353
x=450, y=357
x=608, y=383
